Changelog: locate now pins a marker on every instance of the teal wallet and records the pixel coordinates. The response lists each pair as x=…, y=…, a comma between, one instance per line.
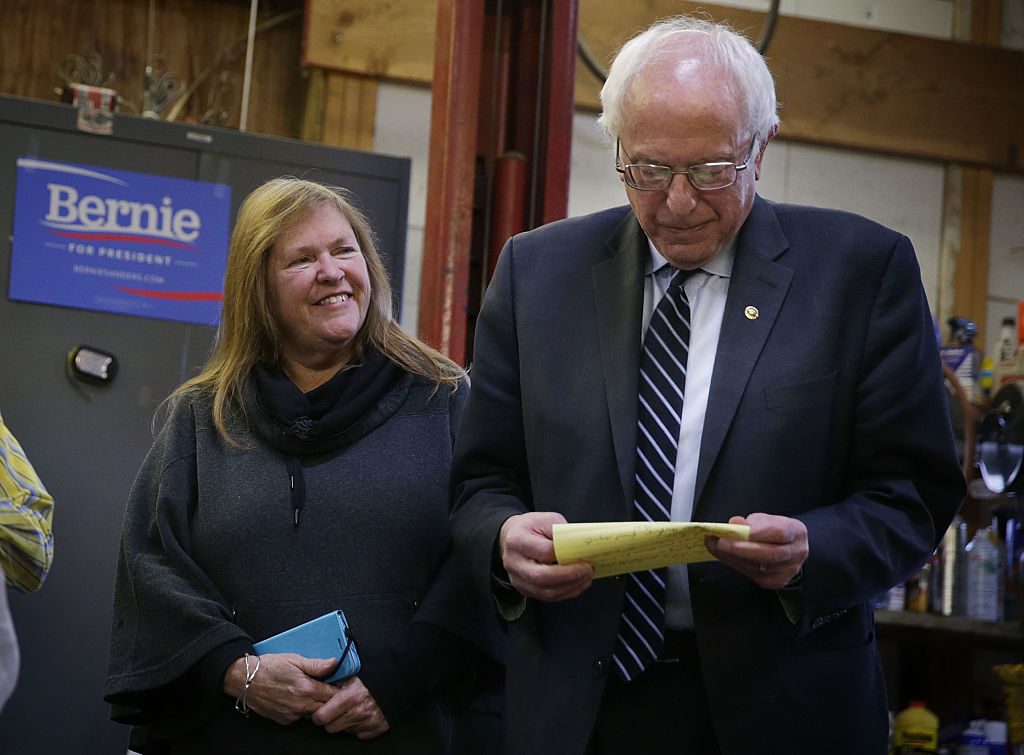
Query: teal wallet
x=326, y=637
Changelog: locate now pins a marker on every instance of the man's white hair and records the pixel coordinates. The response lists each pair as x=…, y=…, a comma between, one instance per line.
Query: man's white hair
x=683, y=36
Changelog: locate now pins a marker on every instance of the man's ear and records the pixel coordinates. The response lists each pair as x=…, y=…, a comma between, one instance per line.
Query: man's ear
x=761, y=149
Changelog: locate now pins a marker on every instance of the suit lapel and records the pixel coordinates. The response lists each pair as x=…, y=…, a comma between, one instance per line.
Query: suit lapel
x=618, y=293
x=757, y=281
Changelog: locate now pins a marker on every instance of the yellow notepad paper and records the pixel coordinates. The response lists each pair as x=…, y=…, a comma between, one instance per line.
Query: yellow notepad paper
x=620, y=547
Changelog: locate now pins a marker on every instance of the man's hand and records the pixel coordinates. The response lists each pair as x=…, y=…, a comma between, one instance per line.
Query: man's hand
x=284, y=688
x=773, y=555
x=352, y=709
x=528, y=556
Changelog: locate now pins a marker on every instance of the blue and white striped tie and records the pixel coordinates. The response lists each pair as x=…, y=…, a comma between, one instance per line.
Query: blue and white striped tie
x=662, y=380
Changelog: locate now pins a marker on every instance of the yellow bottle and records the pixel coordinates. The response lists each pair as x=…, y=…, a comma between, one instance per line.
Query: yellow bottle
x=916, y=730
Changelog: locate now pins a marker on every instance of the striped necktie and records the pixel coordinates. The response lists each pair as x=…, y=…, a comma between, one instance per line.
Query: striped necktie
x=662, y=379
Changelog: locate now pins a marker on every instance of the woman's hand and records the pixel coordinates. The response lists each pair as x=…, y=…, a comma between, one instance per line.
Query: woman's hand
x=352, y=709
x=285, y=688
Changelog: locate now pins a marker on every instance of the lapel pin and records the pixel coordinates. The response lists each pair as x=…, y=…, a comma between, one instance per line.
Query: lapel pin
x=751, y=313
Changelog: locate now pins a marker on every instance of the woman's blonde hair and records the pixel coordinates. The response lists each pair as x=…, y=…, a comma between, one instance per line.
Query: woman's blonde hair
x=249, y=334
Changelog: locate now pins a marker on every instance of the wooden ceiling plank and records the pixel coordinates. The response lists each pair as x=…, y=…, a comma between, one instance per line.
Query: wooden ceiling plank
x=839, y=85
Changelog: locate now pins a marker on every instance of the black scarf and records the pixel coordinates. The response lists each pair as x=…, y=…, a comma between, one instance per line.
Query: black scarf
x=358, y=399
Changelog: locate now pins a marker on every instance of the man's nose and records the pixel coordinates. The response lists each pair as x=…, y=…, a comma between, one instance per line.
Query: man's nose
x=681, y=196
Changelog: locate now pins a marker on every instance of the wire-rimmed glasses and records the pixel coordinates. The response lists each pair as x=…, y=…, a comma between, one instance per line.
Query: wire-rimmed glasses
x=704, y=176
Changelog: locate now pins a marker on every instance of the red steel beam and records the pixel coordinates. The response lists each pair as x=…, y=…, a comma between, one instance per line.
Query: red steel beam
x=508, y=205
x=559, y=105
x=524, y=105
x=449, y=212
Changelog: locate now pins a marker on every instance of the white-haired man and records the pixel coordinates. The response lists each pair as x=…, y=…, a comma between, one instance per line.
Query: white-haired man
x=788, y=380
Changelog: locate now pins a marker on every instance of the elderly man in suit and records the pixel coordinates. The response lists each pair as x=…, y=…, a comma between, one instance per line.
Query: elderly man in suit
x=705, y=355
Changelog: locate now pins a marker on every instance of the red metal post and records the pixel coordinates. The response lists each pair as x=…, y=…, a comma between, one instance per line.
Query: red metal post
x=508, y=209
x=501, y=129
x=559, y=105
x=453, y=123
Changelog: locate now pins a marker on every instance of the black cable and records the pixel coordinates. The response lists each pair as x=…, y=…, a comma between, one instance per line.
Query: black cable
x=769, y=27
x=762, y=44
x=588, y=60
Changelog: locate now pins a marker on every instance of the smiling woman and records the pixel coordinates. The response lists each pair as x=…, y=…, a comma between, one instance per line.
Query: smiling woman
x=320, y=287
x=303, y=471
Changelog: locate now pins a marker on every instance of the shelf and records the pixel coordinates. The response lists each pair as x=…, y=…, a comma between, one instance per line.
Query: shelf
x=968, y=630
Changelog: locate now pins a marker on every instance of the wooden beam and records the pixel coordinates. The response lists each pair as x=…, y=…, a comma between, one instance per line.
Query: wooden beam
x=974, y=230
x=864, y=88
x=987, y=22
x=393, y=40
x=839, y=85
x=970, y=274
x=350, y=110
x=312, y=127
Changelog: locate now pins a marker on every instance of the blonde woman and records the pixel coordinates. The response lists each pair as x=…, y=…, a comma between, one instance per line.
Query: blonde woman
x=304, y=470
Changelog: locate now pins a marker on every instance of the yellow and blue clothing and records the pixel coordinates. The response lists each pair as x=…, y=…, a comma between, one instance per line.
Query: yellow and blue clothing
x=26, y=518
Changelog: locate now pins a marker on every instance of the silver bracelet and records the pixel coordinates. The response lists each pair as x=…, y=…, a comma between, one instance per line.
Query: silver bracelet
x=240, y=705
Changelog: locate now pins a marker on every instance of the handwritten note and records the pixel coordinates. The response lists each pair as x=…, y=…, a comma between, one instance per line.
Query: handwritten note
x=620, y=547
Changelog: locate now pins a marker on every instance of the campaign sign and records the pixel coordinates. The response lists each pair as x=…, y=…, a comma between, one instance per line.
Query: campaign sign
x=115, y=241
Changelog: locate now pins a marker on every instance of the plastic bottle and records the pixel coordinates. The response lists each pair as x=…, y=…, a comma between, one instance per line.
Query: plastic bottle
x=998, y=533
x=961, y=355
x=1006, y=346
x=916, y=730
x=1008, y=523
x=972, y=740
x=996, y=734
x=896, y=598
x=916, y=598
x=983, y=577
x=952, y=560
x=1009, y=368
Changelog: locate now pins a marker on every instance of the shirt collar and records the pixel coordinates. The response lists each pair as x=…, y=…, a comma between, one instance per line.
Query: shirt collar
x=720, y=265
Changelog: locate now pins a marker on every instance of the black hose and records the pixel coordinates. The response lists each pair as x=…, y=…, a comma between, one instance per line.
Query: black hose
x=769, y=27
x=762, y=44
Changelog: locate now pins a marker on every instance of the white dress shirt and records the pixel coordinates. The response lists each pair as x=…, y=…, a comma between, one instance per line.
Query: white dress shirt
x=707, y=291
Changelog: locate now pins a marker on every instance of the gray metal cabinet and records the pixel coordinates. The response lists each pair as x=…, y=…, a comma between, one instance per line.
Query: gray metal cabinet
x=87, y=441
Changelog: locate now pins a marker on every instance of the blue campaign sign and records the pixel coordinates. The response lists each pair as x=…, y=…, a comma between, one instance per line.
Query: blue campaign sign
x=116, y=241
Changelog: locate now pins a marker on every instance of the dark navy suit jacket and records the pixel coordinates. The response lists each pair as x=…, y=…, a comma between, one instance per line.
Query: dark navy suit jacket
x=828, y=407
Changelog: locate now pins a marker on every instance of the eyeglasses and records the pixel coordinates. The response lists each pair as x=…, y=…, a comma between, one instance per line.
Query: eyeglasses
x=705, y=177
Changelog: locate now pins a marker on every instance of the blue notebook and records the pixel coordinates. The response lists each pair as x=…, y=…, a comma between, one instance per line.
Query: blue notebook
x=325, y=637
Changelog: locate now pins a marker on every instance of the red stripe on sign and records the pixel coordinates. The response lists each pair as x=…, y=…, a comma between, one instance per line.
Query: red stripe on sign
x=125, y=237
x=174, y=295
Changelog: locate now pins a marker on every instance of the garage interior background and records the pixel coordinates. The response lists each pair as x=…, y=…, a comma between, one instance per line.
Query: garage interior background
x=906, y=133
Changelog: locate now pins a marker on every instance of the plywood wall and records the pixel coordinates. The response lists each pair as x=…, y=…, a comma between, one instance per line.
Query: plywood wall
x=192, y=35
